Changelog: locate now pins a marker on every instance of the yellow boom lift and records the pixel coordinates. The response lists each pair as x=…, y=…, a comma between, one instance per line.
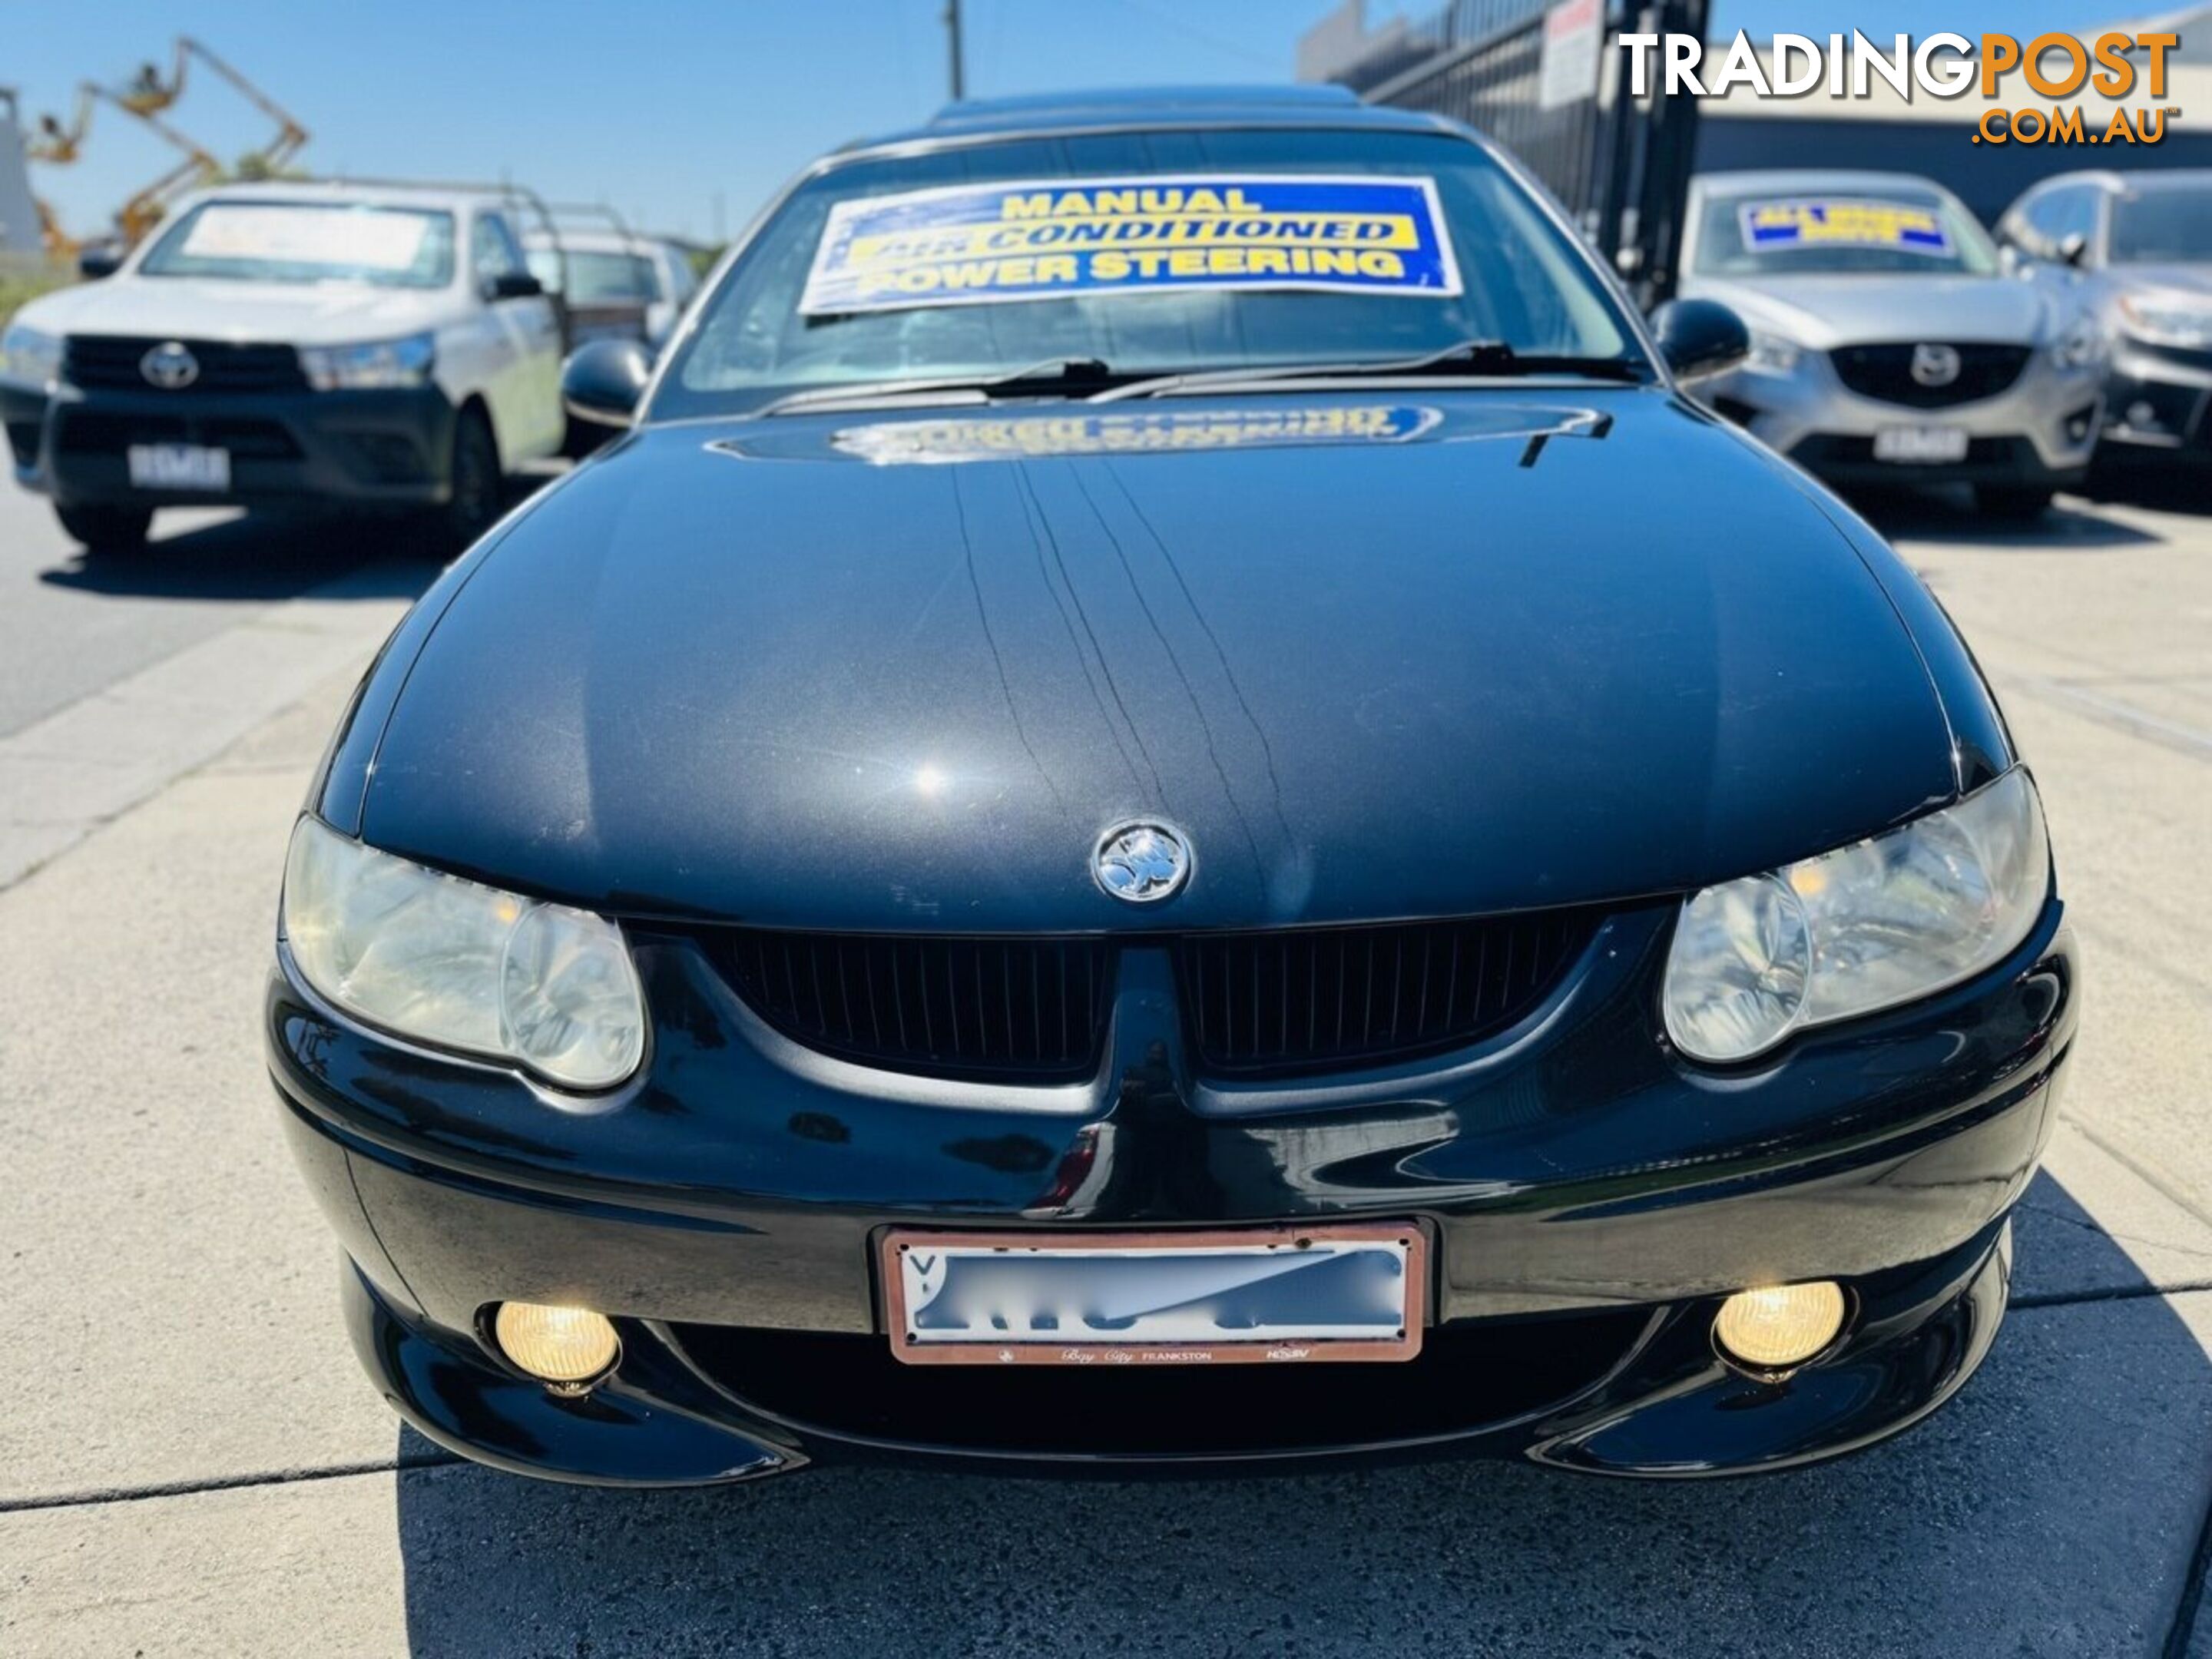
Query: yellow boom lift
x=146, y=99
x=150, y=96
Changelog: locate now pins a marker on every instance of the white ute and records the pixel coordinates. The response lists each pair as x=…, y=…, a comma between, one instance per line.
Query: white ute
x=286, y=344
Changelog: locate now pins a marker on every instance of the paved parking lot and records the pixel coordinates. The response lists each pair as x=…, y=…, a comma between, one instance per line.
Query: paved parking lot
x=191, y=1463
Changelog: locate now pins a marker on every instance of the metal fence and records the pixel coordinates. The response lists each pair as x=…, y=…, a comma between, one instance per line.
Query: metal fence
x=1620, y=165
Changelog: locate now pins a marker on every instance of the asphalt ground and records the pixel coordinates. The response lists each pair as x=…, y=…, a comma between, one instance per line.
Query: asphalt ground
x=189, y=1462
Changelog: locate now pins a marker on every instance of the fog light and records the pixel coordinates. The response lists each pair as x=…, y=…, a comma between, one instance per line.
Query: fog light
x=568, y=1347
x=1779, y=1326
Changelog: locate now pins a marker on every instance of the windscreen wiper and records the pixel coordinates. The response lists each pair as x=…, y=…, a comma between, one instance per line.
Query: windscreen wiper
x=1076, y=376
x=1461, y=357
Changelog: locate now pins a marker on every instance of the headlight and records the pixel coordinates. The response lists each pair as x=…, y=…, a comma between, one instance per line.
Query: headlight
x=1865, y=928
x=30, y=356
x=2173, y=320
x=457, y=965
x=2082, y=346
x=1770, y=355
x=372, y=365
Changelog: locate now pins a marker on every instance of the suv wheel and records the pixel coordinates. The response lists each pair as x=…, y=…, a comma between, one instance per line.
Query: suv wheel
x=107, y=529
x=475, y=501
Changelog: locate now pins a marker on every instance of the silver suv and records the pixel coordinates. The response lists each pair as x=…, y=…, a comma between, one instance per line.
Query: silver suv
x=1888, y=342
x=2136, y=250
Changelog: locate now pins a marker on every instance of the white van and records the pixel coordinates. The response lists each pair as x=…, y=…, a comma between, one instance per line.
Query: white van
x=286, y=343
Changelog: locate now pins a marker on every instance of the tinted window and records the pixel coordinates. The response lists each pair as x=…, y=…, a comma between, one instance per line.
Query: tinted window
x=493, y=249
x=1521, y=280
x=2058, y=214
x=596, y=278
x=2172, y=226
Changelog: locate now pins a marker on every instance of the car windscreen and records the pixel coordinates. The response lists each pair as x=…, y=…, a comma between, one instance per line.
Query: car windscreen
x=595, y=277
x=2162, y=227
x=1790, y=232
x=1153, y=252
x=308, y=242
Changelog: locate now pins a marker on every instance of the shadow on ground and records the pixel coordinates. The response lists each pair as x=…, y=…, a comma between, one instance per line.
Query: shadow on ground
x=270, y=556
x=2052, y=1508
x=2072, y=524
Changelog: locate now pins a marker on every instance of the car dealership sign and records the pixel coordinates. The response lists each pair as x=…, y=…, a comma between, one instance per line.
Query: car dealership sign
x=1567, y=73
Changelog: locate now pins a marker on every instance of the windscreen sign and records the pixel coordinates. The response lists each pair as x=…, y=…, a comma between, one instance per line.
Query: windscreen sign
x=1055, y=238
x=1822, y=223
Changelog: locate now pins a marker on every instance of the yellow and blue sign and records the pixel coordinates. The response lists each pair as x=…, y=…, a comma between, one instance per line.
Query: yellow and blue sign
x=1046, y=239
x=1844, y=224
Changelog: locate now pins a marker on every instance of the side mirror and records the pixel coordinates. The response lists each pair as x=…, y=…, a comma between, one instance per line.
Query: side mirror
x=514, y=285
x=2073, y=248
x=1700, y=338
x=604, y=380
x=95, y=263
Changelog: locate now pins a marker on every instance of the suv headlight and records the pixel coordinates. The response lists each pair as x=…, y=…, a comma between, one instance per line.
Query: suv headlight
x=457, y=965
x=2168, y=320
x=30, y=355
x=373, y=365
x=1865, y=928
x=1770, y=354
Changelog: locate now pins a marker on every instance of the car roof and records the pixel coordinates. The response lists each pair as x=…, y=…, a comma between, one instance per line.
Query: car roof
x=340, y=191
x=1745, y=182
x=2108, y=179
x=1153, y=107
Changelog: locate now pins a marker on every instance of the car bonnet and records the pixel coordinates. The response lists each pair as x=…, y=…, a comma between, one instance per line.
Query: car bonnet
x=1374, y=654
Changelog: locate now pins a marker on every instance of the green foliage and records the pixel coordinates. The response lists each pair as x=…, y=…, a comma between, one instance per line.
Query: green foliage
x=21, y=284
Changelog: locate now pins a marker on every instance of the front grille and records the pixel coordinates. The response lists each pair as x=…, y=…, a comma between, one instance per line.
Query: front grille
x=1885, y=372
x=984, y=1007
x=92, y=432
x=1036, y=1009
x=1332, y=997
x=110, y=362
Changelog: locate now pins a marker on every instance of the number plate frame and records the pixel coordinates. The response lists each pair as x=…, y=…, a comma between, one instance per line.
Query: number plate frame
x=1402, y=1237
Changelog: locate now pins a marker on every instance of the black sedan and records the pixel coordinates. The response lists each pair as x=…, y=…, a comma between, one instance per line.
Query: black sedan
x=1171, y=806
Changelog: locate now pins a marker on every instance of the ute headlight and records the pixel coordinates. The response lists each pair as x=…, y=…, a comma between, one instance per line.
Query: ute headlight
x=2168, y=319
x=1865, y=928
x=373, y=365
x=1771, y=354
x=458, y=965
x=30, y=355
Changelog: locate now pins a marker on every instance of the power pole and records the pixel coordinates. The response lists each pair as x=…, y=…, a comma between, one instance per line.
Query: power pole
x=952, y=36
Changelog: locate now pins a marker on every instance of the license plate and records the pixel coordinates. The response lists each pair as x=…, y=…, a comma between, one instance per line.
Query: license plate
x=179, y=467
x=1920, y=445
x=1275, y=1295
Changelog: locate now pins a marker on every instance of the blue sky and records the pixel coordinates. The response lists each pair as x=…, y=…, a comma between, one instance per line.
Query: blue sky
x=664, y=107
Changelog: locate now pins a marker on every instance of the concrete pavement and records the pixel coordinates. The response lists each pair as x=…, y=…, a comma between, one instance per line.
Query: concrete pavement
x=189, y=1463
x=71, y=627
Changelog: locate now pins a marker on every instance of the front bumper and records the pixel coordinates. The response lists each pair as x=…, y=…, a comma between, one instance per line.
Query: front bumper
x=2159, y=402
x=2039, y=432
x=1589, y=1197
x=386, y=447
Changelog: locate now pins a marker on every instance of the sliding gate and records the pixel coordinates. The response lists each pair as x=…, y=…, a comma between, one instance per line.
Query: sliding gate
x=1548, y=81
